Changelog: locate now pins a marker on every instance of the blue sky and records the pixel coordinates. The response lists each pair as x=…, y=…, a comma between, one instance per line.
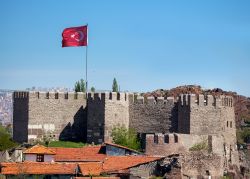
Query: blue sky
x=146, y=45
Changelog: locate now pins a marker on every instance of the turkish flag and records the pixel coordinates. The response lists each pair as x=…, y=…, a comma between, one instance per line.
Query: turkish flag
x=75, y=36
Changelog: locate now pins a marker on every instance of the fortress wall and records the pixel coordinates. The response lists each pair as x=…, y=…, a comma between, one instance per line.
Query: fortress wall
x=169, y=144
x=96, y=116
x=57, y=115
x=106, y=111
x=20, y=116
x=116, y=113
x=202, y=115
x=229, y=132
x=152, y=115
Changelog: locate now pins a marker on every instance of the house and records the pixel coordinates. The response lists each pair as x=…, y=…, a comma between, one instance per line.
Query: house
x=118, y=150
x=39, y=153
x=49, y=162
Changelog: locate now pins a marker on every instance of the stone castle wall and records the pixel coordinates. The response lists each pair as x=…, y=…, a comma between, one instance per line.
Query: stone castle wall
x=203, y=114
x=106, y=111
x=55, y=115
x=152, y=115
x=20, y=116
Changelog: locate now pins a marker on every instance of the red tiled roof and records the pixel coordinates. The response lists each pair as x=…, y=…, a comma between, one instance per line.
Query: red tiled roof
x=39, y=149
x=120, y=146
x=90, y=168
x=111, y=164
x=86, y=153
x=37, y=168
x=116, y=163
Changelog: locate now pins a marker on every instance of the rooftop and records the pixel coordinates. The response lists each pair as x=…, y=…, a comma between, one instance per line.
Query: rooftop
x=39, y=149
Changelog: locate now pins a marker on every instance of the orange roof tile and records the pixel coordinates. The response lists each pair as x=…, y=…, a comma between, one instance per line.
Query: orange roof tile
x=86, y=153
x=120, y=146
x=116, y=163
x=39, y=149
x=37, y=168
x=90, y=168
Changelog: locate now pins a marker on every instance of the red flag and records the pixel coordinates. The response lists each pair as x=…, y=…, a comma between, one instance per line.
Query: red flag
x=75, y=36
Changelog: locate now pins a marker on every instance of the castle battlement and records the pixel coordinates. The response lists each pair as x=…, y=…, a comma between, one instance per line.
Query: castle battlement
x=20, y=94
x=50, y=95
x=162, y=139
x=114, y=96
x=152, y=100
x=205, y=100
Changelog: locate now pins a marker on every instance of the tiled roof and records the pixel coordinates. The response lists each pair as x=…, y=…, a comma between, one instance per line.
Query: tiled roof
x=90, y=168
x=111, y=164
x=39, y=149
x=37, y=168
x=116, y=163
x=86, y=153
x=120, y=146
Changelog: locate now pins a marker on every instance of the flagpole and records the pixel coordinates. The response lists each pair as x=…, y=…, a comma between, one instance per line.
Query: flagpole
x=87, y=65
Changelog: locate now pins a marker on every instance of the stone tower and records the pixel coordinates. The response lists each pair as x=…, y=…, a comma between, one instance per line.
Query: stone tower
x=106, y=111
x=209, y=115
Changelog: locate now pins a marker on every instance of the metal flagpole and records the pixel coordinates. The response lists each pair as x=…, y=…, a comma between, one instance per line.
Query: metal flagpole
x=87, y=65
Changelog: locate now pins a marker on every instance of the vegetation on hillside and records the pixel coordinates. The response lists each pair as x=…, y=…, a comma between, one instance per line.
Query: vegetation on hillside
x=243, y=135
x=125, y=137
x=5, y=139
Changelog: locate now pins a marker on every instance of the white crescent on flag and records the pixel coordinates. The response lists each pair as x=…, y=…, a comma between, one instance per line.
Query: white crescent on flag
x=78, y=36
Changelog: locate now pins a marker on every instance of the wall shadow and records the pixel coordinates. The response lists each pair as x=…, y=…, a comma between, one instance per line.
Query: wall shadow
x=76, y=132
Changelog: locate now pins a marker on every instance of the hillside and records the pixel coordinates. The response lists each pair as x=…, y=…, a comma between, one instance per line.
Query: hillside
x=241, y=103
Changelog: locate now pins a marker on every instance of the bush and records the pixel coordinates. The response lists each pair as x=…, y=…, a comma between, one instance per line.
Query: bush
x=243, y=135
x=199, y=146
x=5, y=140
x=125, y=137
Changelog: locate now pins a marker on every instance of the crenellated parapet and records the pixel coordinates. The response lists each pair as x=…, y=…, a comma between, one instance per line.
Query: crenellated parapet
x=205, y=100
x=111, y=96
x=57, y=95
x=150, y=100
x=20, y=94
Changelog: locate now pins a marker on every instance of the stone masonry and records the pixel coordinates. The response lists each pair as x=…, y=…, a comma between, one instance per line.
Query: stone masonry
x=169, y=126
x=37, y=115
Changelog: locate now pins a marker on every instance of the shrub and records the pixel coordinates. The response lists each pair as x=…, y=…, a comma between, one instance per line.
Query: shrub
x=199, y=146
x=125, y=137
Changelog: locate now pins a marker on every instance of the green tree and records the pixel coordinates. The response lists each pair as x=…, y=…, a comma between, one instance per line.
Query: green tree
x=5, y=139
x=80, y=86
x=92, y=89
x=115, y=86
x=125, y=137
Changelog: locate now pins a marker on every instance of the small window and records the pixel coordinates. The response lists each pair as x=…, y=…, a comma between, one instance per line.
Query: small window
x=166, y=139
x=40, y=158
x=231, y=124
x=227, y=123
x=175, y=138
x=156, y=139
